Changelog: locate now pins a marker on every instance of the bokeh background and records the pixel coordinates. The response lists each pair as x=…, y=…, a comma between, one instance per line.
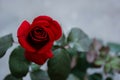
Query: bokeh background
x=98, y=18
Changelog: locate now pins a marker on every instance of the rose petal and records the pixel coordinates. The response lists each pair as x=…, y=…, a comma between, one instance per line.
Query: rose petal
x=45, y=48
x=56, y=29
x=48, y=46
x=54, y=25
x=46, y=18
x=50, y=33
x=21, y=34
x=41, y=23
x=49, y=54
x=38, y=58
x=23, y=28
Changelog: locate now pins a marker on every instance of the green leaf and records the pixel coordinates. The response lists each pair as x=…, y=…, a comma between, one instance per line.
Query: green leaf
x=109, y=78
x=72, y=77
x=114, y=47
x=72, y=52
x=59, y=65
x=39, y=75
x=107, y=58
x=83, y=44
x=5, y=43
x=11, y=77
x=35, y=67
x=99, y=62
x=115, y=63
x=54, y=47
x=95, y=76
x=61, y=41
x=81, y=67
x=78, y=39
x=107, y=68
x=76, y=34
x=18, y=65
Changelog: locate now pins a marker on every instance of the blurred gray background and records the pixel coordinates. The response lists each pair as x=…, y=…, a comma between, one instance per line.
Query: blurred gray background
x=98, y=18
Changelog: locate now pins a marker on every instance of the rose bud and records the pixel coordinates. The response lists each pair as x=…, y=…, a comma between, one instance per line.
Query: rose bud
x=37, y=38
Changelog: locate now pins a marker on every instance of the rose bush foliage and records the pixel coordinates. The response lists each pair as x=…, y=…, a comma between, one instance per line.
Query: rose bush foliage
x=69, y=56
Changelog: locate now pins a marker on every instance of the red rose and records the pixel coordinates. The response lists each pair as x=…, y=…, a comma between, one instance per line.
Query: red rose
x=37, y=38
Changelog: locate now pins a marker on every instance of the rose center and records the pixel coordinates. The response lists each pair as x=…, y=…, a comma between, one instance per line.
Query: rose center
x=37, y=38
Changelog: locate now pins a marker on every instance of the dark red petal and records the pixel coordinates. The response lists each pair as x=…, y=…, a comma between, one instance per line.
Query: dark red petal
x=54, y=25
x=49, y=45
x=49, y=54
x=56, y=29
x=46, y=18
x=21, y=34
x=45, y=48
x=38, y=58
x=24, y=44
x=46, y=29
x=50, y=33
x=41, y=23
x=23, y=28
